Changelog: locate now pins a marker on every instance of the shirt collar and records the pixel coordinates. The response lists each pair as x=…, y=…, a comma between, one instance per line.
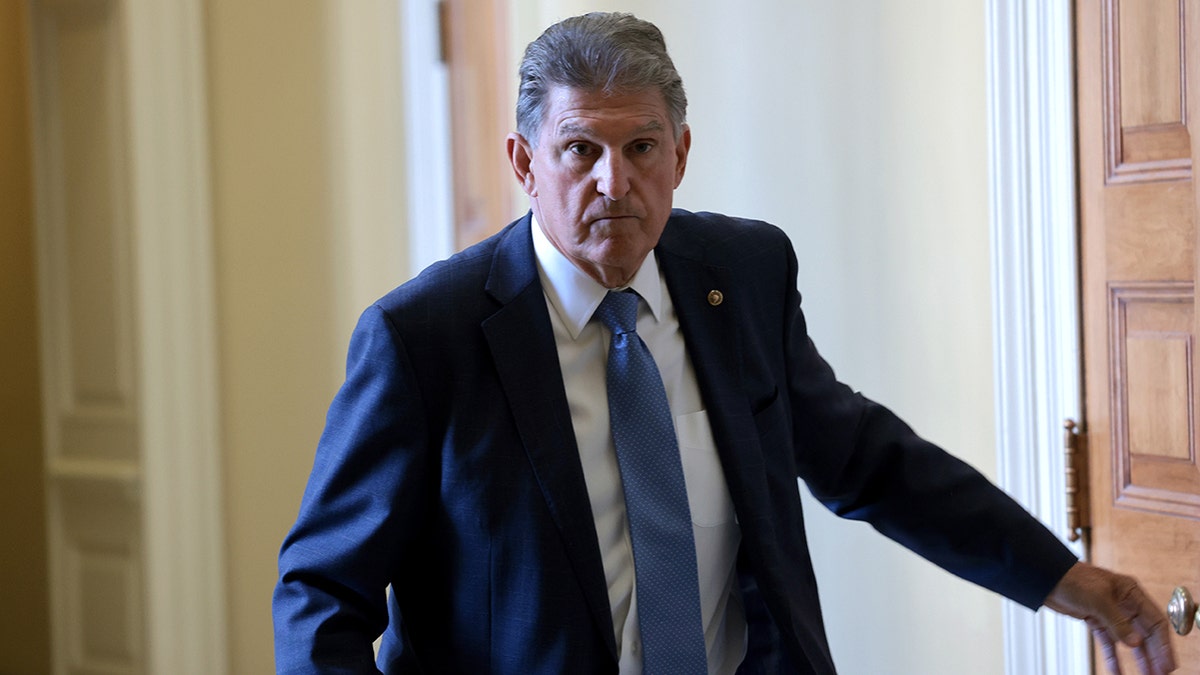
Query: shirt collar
x=575, y=296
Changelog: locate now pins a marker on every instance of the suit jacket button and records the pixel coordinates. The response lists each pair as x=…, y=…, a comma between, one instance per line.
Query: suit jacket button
x=715, y=297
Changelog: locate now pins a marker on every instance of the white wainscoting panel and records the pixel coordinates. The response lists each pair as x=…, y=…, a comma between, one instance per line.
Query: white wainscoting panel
x=88, y=348
x=126, y=311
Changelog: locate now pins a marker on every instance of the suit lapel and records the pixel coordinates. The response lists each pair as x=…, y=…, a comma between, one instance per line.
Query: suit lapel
x=522, y=345
x=711, y=332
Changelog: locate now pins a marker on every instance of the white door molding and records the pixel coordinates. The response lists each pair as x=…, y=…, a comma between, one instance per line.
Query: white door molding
x=128, y=344
x=427, y=132
x=1035, y=297
x=176, y=306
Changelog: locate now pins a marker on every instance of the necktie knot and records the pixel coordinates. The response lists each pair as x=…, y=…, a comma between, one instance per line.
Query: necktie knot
x=618, y=312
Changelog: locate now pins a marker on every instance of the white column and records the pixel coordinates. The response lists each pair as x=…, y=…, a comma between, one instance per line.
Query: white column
x=1034, y=262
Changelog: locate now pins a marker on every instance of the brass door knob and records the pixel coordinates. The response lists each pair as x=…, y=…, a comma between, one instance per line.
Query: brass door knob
x=1182, y=611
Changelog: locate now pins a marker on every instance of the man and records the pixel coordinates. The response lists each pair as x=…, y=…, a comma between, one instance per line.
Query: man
x=573, y=448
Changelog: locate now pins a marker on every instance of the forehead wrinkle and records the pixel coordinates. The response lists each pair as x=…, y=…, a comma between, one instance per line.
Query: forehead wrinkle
x=572, y=129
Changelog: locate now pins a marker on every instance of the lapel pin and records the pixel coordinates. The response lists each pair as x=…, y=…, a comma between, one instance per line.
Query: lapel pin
x=715, y=297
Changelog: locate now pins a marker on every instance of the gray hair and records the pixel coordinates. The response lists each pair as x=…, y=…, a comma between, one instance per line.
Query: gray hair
x=612, y=53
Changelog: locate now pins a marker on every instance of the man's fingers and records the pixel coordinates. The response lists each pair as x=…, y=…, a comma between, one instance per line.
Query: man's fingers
x=1107, y=647
x=1125, y=619
x=1149, y=626
x=1124, y=629
x=1148, y=639
x=1157, y=646
x=1144, y=663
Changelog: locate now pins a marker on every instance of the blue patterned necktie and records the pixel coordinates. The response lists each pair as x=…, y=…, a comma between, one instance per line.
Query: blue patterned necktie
x=660, y=523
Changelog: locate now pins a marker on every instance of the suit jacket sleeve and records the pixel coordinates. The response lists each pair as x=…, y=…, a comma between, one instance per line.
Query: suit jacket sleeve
x=364, y=500
x=864, y=463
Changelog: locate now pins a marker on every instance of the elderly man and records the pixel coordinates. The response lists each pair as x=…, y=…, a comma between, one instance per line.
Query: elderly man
x=573, y=448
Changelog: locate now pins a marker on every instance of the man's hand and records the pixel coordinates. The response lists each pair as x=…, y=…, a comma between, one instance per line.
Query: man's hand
x=1116, y=609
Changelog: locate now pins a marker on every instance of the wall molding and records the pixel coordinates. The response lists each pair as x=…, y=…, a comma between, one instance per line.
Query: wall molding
x=132, y=453
x=175, y=296
x=427, y=132
x=1035, y=307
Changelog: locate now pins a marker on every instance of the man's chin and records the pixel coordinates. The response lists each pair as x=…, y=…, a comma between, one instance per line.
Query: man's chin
x=615, y=264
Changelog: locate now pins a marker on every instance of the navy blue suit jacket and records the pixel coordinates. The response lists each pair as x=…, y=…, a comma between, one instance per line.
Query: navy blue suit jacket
x=448, y=469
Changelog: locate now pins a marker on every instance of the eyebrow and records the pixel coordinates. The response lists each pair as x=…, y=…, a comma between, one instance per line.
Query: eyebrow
x=580, y=130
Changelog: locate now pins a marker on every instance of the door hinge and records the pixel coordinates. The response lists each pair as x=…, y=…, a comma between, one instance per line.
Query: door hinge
x=1079, y=518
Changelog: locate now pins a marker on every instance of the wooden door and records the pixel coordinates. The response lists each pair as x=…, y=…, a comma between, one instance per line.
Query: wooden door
x=1137, y=67
x=474, y=46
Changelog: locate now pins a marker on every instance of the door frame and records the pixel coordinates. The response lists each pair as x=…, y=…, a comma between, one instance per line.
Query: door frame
x=175, y=290
x=427, y=133
x=174, y=482
x=1035, y=297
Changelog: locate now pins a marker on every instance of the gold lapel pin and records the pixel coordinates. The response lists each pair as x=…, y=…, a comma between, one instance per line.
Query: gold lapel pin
x=715, y=297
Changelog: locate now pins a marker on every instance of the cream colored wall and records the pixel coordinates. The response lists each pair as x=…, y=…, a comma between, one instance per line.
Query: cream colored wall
x=308, y=232
x=271, y=214
x=24, y=599
x=860, y=128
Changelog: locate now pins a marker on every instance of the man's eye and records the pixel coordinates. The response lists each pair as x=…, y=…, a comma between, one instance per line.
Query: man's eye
x=581, y=149
x=643, y=147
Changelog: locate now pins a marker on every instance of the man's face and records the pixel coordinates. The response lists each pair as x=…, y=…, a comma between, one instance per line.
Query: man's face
x=601, y=177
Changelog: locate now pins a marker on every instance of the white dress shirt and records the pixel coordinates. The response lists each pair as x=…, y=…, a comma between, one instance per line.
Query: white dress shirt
x=572, y=297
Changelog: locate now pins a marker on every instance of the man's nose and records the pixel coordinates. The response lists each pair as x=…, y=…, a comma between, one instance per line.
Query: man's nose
x=612, y=175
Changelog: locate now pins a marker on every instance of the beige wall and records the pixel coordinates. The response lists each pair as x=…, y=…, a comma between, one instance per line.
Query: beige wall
x=306, y=213
x=271, y=213
x=24, y=613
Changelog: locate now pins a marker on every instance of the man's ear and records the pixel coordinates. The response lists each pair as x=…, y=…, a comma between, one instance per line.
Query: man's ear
x=682, y=146
x=520, y=155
